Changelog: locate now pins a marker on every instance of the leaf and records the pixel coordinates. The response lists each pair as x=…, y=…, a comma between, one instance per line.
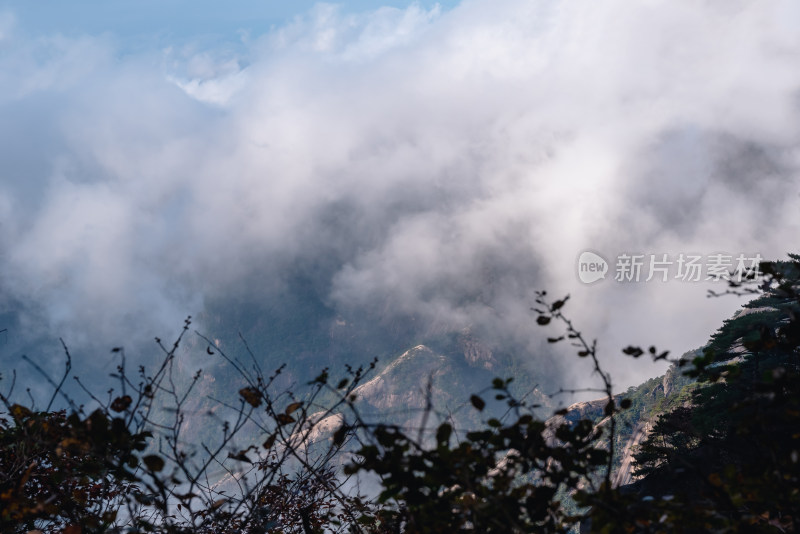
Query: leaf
x=543, y=320
x=477, y=402
x=554, y=339
x=284, y=419
x=293, y=407
x=557, y=305
x=322, y=378
x=339, y=435
x=121, y=404
x=625, y=404
x=240, y=456
x=342, y=383
x=633, y=351
x=270, y=441
x=154, y=462
x=443, y=433
x=609, y=409
x=20, y=412
x=251, y=396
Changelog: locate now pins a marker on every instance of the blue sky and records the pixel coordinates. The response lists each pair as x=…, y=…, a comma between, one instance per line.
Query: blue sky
x=178, y=19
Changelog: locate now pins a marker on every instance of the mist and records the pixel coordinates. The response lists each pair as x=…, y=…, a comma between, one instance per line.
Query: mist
x=441, y=164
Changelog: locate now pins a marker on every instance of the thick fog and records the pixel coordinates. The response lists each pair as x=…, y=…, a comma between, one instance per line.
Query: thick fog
x=439, y=163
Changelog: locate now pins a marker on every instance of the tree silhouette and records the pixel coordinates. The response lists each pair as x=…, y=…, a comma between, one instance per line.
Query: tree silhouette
x=295, y=461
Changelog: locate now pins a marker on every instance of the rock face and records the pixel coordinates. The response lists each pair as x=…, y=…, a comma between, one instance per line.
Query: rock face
x=595, y=411
x=649, y=400
x=586, y=410
x=402, y=383
x=624, y=474
x=475, y=352
x=399, y=392
x=667, y=382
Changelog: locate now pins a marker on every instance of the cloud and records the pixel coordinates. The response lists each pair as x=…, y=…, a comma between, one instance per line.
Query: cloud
x=442, y=164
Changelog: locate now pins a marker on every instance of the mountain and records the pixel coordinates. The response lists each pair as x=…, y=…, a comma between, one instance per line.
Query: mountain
x=420, y=377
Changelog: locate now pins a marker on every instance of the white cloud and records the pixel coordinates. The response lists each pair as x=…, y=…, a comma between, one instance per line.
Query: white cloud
x=446, y=163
